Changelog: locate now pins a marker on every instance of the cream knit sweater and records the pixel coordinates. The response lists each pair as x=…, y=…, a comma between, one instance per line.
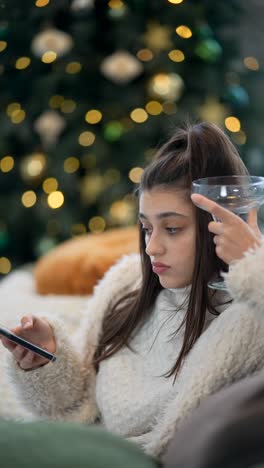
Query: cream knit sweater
x=130, y=394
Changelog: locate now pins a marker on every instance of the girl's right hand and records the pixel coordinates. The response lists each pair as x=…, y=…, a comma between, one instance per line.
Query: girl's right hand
x=38, y=331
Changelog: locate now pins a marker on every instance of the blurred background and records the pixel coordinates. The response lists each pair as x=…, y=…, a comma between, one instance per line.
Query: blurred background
x=90, y=88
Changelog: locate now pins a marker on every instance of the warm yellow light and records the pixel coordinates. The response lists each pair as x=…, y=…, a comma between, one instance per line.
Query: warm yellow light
x=93, y=116
x=55, y=199
x=175, y=2
x=22, y=63
x=29, y=198
x=56, y=101
x=68, y=106
x=176, y=55
x=97, y=224
x=18, y=116
x=3, y=45
x=139, y=115
x=145, y=55
x=86, y=138
x=50, y=185
x=71, y=165
x=7, y=163
x=49, y=56
x=35, y=163
x=251, y=63
x=154, y=108
x=120, y=211
x=232, y=124
x=41, y=3
x=115, y=4
x=14, y=106
x=184, y=32
x=135, y=174
x=5, y=265
x=73, y=67
x=78, y=229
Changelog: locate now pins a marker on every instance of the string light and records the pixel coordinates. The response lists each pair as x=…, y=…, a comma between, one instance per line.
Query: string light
x=135, y=174
x=29, y=198
x=154, y=108
x=139, y=115
x=176, y=55
x=68, y=106
x=73, y=67
x=49, y=56
x=71, y=165
x=7, y=163
x=86, y=138
x=55, y=199
x=97, y=224
x=184, y=31
x=251, y=63
x=175, y=2
x=93, y=116
x=232, y=124
x=22, y=63
x=18, y=116
x=41, y=3
x=50, y=185
x=115, y=4
x=5, y=265
x=3, y=45
x=145, y=55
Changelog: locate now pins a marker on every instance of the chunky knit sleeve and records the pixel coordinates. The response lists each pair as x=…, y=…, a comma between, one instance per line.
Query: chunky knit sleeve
x=65, y=389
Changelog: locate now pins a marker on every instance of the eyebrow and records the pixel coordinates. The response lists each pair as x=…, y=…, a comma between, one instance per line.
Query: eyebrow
x=165, y=214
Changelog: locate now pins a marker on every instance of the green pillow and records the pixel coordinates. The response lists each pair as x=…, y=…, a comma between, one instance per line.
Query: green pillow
x=66, y=445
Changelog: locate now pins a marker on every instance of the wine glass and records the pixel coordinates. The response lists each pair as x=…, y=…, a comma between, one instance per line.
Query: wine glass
x=239, y=194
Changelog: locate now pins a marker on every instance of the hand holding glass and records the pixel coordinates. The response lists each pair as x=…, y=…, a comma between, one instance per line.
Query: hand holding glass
x=239, y=194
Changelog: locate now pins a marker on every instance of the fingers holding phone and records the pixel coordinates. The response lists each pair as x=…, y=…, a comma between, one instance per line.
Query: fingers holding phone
x=39, y=346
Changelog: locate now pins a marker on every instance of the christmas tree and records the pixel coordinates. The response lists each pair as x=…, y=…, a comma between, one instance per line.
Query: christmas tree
x=89, y=89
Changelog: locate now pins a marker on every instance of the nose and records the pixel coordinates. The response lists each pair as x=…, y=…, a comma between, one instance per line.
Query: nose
x=154, y=246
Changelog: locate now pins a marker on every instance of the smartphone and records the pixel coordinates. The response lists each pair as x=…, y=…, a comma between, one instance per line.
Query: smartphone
x=27, y=344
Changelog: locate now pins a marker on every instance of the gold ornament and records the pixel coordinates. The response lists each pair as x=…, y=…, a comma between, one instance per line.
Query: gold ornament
x=52, y=40
x=33, y=168
x=213, y=111
x=121, y=67
x=166, y=86
x=158, y=37
x=49, y=125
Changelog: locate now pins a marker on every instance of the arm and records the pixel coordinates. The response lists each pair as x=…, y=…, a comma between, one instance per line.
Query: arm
x=65, y=389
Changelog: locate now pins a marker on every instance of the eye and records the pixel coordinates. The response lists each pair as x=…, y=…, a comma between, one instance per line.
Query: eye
x=172, y=230
x=146, y=230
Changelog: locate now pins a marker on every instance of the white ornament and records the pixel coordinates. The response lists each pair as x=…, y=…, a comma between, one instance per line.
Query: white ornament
x=82, y=5
x=49, y=125
x=121, y=67
x=52, y=40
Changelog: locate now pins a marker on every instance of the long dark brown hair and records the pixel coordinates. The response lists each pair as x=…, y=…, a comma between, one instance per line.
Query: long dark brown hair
x=194, y=151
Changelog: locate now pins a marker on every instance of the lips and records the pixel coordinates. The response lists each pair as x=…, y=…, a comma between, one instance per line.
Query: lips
x=159, y=267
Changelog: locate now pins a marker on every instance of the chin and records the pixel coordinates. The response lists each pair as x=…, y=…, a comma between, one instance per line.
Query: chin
x=171, y=284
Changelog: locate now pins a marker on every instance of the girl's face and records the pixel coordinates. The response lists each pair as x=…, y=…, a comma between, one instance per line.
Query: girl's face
x=168, y=220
